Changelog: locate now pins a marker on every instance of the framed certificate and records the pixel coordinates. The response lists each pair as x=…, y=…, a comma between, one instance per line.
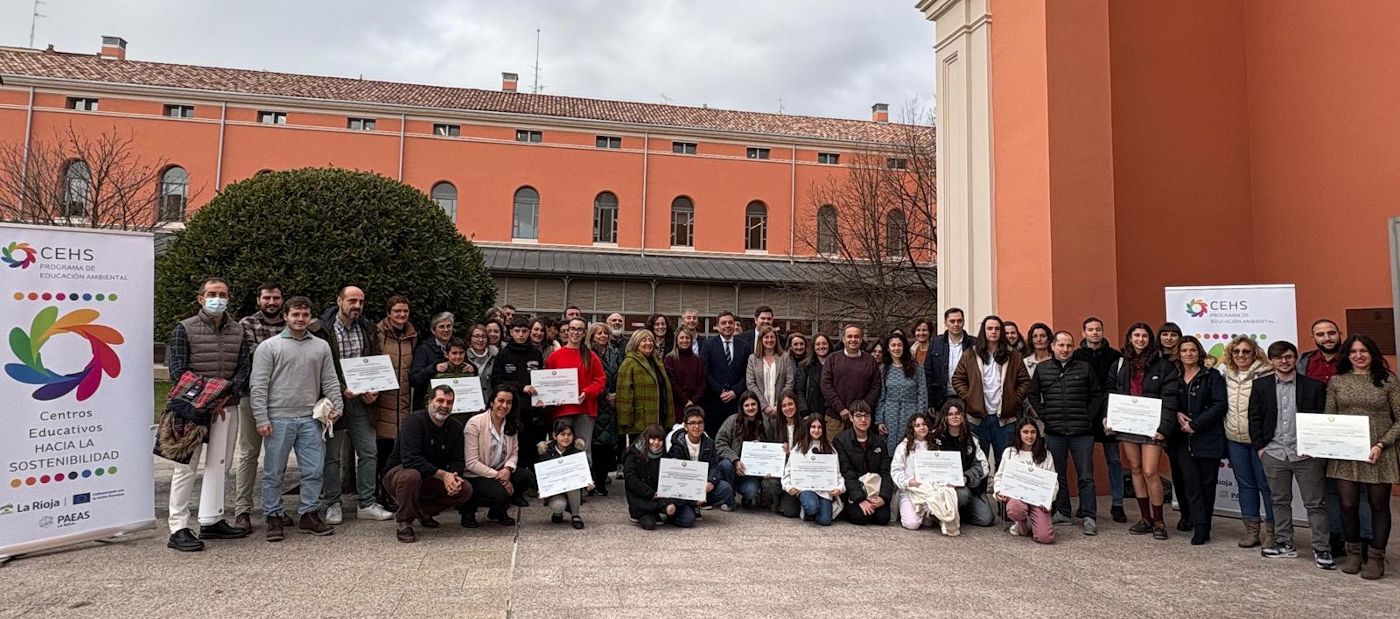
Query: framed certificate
x=561, y=475
x=682, y=479
x=938, y=467
x=554, y=387
x=369, y=374
x=468, y=392
x=1336, y=437
x=1134, y=414
x=816, y=472
x=763, y=459
x=1027, y=483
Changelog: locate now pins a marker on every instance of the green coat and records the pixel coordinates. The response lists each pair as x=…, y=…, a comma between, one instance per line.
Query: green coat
x=643, y=395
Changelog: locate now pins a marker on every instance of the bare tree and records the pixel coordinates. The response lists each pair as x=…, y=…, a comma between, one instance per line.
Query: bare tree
x=874, y=229
x=89, y=181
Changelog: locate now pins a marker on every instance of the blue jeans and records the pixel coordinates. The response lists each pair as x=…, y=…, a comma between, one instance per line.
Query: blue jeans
x=303, y=434
x=360, y=430
x=721, y=494
x=1002, y=437
x=985, y=433
x=1251, y=481
x=1114, y=459
x=749, y=487
x=814, y=507
x=1081, y=449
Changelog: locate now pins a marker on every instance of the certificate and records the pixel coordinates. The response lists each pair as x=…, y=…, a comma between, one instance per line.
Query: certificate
x=763, y=459
x=554, y=387
x=816, y=472
x=1134, y=414
x=682, y=479
x=1337, y=437
x=1028, y=484
x=468, y=392
x=369, y=374
x=938, y=467
x=561, y=475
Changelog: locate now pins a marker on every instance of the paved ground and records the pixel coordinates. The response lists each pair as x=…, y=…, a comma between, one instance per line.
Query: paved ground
x=731, y=565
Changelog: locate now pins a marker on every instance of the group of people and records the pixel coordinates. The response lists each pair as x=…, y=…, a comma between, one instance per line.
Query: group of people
x=997, y=398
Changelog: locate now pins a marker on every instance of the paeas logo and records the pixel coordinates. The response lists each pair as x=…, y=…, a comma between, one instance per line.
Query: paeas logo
x=1196, y=308
x=18, y=255
x=46, y=325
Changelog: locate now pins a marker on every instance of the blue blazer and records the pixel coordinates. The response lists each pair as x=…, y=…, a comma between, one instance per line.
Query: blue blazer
x=936, y=367
x=721, y=376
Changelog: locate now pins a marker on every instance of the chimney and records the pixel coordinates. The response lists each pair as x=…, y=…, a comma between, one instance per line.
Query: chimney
x=113, y=48
x=880, y=113
x=509, y=82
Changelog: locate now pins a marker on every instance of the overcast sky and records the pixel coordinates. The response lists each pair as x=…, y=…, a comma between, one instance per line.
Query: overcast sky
x=820, y=57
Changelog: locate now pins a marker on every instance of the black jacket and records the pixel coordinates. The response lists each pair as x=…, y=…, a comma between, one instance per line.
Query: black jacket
x=855, y=461
x=426, y=447
x=807, y=382
x=324, y=328
x=1160, y=380
x=1102, y=358
x=426, y=356
x=708, y=452
x=1204, y=401
x=1066, y=396
x=640, y=477
x=512, y=366
x=1263, y=405
x=936, y=367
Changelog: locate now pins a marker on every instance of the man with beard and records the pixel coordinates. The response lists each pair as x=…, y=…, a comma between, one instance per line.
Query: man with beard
x=1321, y=364
x=425, y=470
x=617, y=329
x=259, y=326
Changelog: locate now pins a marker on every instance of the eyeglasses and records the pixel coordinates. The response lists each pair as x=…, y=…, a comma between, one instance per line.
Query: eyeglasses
x=1242, y=352
x=695, y=423
x=860, y=415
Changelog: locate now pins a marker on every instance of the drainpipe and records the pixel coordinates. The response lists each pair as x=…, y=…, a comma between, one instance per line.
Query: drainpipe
x=403, y=119
x=646, y=155
x=219, y=164
x=24, y=167
x=792, y=205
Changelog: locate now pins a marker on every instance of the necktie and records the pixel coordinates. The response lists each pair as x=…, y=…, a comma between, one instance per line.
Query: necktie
x=728, y=353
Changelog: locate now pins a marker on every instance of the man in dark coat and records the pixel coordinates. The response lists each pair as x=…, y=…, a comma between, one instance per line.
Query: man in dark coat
x=726, y=359
x=1066, y=394
x=943, y=355
x=1096, y=350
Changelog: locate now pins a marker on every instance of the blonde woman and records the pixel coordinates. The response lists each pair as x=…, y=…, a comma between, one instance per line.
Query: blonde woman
x=1244, y=363
x=643, y=390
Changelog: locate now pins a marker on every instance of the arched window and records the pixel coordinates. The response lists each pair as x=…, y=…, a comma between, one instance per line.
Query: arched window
x=445, y=195
x=756, y=226
x=605, y=218
x=525, y=223
x=682, y=222
x=896, y=233
x=174, y=193
x=77, y=187
x=826, y=229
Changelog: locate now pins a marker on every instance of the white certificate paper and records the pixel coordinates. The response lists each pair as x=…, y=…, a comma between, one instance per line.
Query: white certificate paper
x=369, y=374
x=1134, y=414
x=554, y=387
x=816, y=472
x=938, y=467
x=468, y=392
x=1028, y=483
x=561, y=475
x=1336, y=437
x=682, y=479
x=763, y=459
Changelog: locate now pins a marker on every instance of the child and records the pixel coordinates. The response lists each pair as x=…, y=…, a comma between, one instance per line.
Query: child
x=457, y=367
x=641, y=468
x=1032, y=520
x=817, y=505
x=564, y=444
x=914, y=497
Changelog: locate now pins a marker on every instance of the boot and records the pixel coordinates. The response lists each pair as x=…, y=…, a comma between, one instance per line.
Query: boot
x=1266, y=535
x=1375, y=565
x=1351, y=563
x=1250, y=539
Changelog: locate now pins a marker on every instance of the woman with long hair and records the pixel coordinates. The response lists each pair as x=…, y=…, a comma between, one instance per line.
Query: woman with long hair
x=495, y=330
x=1028, y=450
x=660, y=326
x=686, y=370
x=903, y=392
x=769, y=372
x=607, y=441
x=1245, y=364
x=746, y=425
x=1038, y=341
x=950, y=433
x=786, y=431
x=914, y=510
x=1013, y=337
x=592, y=381
x=817, y=505
x=492, y=452
x=923, y=336
x=992, y=382
x=809, y=388
x=1196, y=450
x=1145, y=372
x=641, y=473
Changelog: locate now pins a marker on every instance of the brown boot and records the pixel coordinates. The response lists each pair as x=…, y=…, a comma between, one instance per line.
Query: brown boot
x=1250, y=539
x=1351, y=563
x=274, y=529
x=311, y=523
x=1375, y=565
x=1266, y=535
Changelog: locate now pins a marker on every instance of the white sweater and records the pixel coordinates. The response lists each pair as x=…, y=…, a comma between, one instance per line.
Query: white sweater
x=1013, y=456
x=787, y=476
x=902, y=463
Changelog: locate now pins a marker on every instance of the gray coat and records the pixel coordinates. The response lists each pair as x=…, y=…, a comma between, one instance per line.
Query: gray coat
x=754, y=378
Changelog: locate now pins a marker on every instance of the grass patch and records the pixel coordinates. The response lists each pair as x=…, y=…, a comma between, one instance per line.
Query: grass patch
x=162, y=392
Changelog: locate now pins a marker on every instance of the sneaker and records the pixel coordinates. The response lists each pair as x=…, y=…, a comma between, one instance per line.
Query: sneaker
x=221, y=530
x=334, y=514
x=726, y=508
x=1118, y=514
x=1143, y=527
x=1324, y=561
x=1091, y=527
x=1060, y=519
x=1185, y=525
x=311, y=523
x=274, y=529
x=374, y=512
x=406, y=535
x=634, y=520
x=707, y=507
x=1015, y=529
x=557, y=518
x=185, y=541
x=1279, y=550
x=578, y=522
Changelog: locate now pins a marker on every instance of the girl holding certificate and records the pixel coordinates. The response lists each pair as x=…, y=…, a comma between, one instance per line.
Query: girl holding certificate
x=950, y=433
x=746, y=425
x=787, y=430
x=1145, y=372
x=1200, y=444
x=817, y=505
x=1032, y=520
x=564, y=444
x=916, y=505
x=641, y=473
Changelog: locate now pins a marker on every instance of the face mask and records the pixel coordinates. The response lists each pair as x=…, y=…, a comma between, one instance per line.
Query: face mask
x=215, y=305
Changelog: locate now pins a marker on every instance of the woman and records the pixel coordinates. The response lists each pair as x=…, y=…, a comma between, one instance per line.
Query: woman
x=786, y=431
x=1029, y=450
x=746, y=425
x=923, y=334
x=1365, y=386
x=539, y=336
x=396, y=338
x=877, y=350
x=903, y=392
x=1169, y=337
x=430, y=356
x=1246, y=364
x=641, y=471
x=643, y=389
x=817, y=505
x=686, y=371
x=1145, y=372
x=915, y=500
x=563, y=444
x=1013, y=337
x=607, y=441
x=992, y=382
x=807, y=376
x=665, y=339
x=950, y=433
x=797, y=347
x=1197, y=449
x=494, y=315
x=481, y=353
x=492, y=451
x=592, y=380
x=494, y=330
x=1040, y=338
x=769, y=373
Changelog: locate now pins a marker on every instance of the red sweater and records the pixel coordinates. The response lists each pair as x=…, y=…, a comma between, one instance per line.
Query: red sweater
x=592, y=383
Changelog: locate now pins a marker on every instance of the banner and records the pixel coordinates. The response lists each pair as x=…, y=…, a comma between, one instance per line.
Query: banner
x=1214, y=315
x=76, y=426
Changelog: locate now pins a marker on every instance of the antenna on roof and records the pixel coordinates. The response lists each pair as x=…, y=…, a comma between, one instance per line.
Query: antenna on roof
x=535, y=89
x=34, y=19
x=667, y=99
x=780, y=105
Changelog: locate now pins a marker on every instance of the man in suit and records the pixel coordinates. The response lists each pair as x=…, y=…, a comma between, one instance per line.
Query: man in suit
x=690, y=319
x=762, y=317
x=943, y=355
x=1274, y=404
x=726, y=359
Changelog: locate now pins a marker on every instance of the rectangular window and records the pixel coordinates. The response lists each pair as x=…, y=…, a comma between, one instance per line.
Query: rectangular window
x=447, y=131
x=682, y=228
x=758, y=153
x=359, y=124
x=606, y=141
x=896, y=163
x=82, y=103
x=525, y=135
x=684, y=148
x=829, y=158
x=272, y=118
x=179, y=111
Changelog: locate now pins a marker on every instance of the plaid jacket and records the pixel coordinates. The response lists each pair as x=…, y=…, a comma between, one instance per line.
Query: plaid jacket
x=643, y=394
x=259, y=328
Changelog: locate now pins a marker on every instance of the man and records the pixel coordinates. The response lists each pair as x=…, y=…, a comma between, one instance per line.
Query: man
x=1274, y=403
x=1066, y=395
x=762, y=317
x=350, y=336
x=1097, y=352
x=1321, y=364
x=425, y=470
x=847, y=377
x=860, y=452
x=258, y=327
x=617, y=329
x=992, y=381
x=291, y=373
x=508, y=313
x=695, y=445
x=726, y=360
x=571, y=313
x=690, y=319
x=211, y=345
x=943, y=355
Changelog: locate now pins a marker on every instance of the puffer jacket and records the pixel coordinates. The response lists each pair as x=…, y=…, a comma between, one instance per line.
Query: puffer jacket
x=393, y=407
x=1066, y=396
x=1238, y=386
x=1203, y=401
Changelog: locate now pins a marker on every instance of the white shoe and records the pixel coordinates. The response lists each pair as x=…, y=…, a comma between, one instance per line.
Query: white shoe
x=333, y=515
x=374, y=512
x=1015, y=529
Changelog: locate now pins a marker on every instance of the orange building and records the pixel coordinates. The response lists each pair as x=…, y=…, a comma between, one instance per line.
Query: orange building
x=608, y=205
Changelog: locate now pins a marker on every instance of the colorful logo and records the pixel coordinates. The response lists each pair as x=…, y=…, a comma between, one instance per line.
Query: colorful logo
x=18, y=255
x=1196, y=308
x=46, y=325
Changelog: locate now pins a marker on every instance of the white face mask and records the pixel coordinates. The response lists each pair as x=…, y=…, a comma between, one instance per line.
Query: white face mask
x=215, y=305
